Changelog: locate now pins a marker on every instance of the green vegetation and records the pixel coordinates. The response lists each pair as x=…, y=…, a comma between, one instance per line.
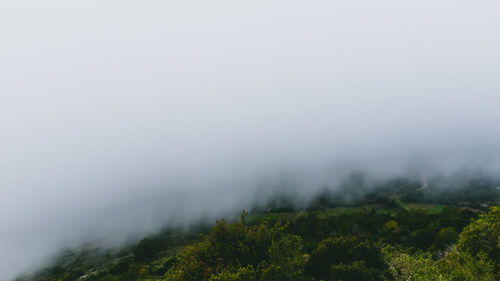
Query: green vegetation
x=378, y=237
x=359, y=244
x=430, y=208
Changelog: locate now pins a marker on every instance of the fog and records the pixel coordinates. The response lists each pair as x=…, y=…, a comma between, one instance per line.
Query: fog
x=118, y=117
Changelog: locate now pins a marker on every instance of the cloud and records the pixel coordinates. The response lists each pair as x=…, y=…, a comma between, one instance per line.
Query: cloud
x=119, y=116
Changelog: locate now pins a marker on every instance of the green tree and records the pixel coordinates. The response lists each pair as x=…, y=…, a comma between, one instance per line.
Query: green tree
x=461, y=265
x=285, y=263
x=355, y=271
x=483, y=235
x=343, y=249
x=240, y=274
x=445, y=237
x=418, y=267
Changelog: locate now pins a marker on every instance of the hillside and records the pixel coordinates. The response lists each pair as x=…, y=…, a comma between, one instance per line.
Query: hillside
x=379, y=236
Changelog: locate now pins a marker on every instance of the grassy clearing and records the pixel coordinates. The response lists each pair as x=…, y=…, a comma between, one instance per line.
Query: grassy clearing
x=328, y=212
x=430, y=208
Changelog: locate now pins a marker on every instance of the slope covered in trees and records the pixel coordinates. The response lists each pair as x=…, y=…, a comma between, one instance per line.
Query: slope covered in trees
x=376, y=238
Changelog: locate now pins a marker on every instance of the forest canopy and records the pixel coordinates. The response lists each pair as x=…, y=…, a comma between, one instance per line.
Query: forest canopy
x=357, y=243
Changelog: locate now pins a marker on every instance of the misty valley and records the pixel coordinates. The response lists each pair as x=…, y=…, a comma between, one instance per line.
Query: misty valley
x=396, y=229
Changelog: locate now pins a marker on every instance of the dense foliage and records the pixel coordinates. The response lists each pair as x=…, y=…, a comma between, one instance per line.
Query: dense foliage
x=363, y=243
x=378, y=236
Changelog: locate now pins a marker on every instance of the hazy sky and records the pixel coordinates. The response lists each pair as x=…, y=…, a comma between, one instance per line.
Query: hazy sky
x=118, y=116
